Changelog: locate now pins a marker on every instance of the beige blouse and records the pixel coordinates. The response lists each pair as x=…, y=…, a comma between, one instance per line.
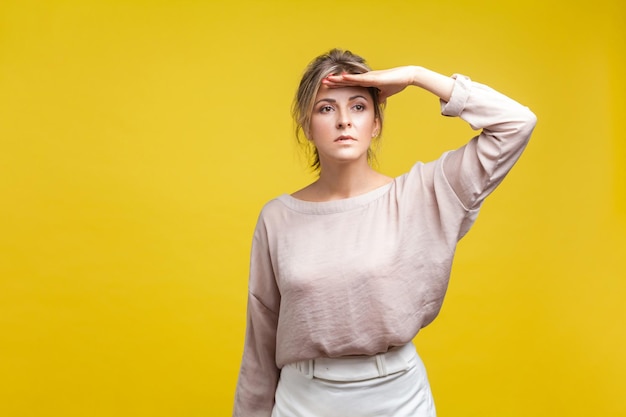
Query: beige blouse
x=359, y=275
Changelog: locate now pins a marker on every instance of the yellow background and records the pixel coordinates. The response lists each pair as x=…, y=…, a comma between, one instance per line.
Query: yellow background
x=140, y=139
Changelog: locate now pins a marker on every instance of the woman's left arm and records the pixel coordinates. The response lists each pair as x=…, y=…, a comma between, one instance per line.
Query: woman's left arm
x=478, y=167
x=475, y=169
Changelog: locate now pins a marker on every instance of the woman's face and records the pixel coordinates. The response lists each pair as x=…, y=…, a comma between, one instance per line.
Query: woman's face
x=343, y=124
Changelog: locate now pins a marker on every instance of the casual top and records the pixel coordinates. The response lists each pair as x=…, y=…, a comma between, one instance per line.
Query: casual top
x=359, y=275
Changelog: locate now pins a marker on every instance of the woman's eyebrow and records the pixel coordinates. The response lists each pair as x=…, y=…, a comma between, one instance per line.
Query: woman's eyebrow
x=332, y=100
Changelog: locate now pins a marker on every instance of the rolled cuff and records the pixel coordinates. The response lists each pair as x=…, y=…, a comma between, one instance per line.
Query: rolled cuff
x=460, y=95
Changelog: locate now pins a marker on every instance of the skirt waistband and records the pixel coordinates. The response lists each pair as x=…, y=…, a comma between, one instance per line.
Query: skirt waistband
x=359, y=368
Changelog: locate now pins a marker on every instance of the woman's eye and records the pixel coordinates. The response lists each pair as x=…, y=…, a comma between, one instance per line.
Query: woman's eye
x=325, y=109
x=359, y=107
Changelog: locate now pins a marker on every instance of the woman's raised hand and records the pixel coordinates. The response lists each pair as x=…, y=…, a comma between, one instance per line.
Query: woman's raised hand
x=388, y=82
x=392, y=81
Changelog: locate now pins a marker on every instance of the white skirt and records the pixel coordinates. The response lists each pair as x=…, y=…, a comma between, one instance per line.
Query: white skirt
x=390, y=384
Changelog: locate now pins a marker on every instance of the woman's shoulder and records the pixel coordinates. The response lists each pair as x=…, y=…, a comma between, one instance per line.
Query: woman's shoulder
x=273, y=206
x=308, y=193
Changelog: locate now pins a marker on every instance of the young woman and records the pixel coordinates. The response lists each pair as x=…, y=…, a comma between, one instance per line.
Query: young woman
x=346, y=271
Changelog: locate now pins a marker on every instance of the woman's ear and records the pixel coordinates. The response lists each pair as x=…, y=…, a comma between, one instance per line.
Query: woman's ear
x=376, y=128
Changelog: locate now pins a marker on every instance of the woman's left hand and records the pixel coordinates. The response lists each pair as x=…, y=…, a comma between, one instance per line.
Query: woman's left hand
x=388, y=82
x=392, y=81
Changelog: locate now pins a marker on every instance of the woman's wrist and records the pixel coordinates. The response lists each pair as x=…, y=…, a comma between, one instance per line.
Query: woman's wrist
x=438, y=84
x=416, y=76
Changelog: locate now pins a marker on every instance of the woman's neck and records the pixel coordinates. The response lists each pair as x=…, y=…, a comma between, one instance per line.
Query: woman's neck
x=338, y=182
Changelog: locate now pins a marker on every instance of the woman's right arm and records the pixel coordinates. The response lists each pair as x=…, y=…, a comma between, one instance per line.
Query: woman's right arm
x=258, y=375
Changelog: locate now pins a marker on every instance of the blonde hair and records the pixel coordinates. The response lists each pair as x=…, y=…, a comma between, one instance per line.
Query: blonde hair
x=334, y=61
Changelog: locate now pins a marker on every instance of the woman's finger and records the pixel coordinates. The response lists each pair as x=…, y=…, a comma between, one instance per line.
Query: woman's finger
x=348, y=80
x=366, y=80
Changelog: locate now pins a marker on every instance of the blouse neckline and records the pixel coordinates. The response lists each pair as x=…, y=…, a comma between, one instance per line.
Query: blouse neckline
x=335, y=206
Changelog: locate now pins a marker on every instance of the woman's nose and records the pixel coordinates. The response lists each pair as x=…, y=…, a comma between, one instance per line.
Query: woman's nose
x=343, y=122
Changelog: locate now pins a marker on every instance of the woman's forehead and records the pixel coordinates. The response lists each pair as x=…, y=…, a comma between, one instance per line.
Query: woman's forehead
x=342, y=93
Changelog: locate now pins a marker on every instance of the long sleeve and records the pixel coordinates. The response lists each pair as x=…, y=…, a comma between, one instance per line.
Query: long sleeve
x=258, y=375
x=477, y=168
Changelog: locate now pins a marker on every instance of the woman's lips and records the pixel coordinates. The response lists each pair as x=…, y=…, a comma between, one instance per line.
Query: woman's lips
x=344, y=138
